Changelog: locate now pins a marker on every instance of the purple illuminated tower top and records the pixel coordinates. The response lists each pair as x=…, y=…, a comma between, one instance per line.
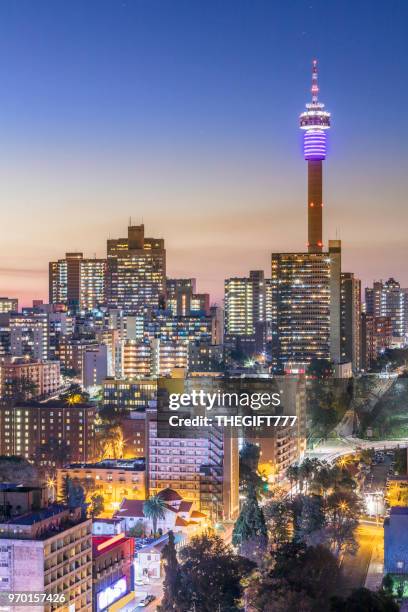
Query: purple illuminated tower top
x=314, y=121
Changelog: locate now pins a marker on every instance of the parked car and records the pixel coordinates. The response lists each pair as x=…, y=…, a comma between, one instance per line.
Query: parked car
x=146, y=601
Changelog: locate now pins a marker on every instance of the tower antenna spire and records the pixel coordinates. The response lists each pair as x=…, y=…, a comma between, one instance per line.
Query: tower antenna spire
x=315, y=86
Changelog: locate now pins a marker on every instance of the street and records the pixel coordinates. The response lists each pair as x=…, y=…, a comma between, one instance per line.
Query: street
x=355, y=567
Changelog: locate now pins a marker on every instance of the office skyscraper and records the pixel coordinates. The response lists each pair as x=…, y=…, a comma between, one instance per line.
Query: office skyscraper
x=136, y=272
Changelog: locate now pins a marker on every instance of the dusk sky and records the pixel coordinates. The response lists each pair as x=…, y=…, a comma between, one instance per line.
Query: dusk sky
x=184, y=115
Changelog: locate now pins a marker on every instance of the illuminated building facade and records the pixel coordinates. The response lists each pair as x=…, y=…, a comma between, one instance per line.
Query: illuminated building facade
x=306, y=294
x=49, y=551
x=152, y=358
x=29, y=379
x=284, y=445
x=77, y=282
x=389, y=300
x=203, y=469
x=245, y=312
x=315, y=121
x=112, y=570
x=136, y=271
x=29, y=336
x=376, y=337
x=8, y=304
x=351, y=320
x=182, y=298
x=129, y=394
x=114, y=479
x=49, y=433
x=94, y=365
x=305, y=288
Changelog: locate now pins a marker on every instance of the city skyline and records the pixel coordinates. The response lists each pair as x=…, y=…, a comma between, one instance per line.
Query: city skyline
x=199, y=139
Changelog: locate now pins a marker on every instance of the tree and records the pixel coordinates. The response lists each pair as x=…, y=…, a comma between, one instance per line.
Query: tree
x=97, y=505
x=320, y=368
x=154, y=508
x=171, y=584
x=278, y=516
x=300, y=577
x=364, y=599
x=248, y=467
x=20, y=389
x=310, y=523
x=17, y=470
x=250, y=533
x=292, y=473
x=72, y=494
x=210, y=575
x=342, y=511
x=64, y=490
x=138, y=530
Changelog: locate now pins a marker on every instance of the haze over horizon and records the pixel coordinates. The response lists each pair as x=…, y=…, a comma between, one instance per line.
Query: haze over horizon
x=185, y=116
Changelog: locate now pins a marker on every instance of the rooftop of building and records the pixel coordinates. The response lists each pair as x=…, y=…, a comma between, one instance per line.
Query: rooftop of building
x=398, y=510
x=30, y=518
x=169, y=495
x=42, y=524
x=160, y=543
x=104, y=544
x=137, y=464
x=7, y=487
x=54, y=404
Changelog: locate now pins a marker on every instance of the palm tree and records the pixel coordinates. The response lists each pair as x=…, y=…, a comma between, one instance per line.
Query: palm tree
x=293, y=474
x=154, y=508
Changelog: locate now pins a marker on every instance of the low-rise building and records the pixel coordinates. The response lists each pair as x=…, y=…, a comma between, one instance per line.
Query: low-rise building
x=148, y=559
x=396, y=541
x=179, y=515
x=112, y=570
x=114, y=479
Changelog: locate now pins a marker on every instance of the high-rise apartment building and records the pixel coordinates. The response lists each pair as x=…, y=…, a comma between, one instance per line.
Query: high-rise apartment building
x=376, y=337
x=136, y=271
x=25, y=380
x=48, y=551
x=49, y=433
x=182, y=298
x=306, y=295
x=129, y=394
x=94, y=365
x=388, y=299
x=245, y=312
x=77, y=282
x=282, y=446
x=351, y=320
x=29, y=336
x=203, y=469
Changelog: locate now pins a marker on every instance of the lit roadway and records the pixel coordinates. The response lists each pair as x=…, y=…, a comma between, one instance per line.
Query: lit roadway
x=370, y=545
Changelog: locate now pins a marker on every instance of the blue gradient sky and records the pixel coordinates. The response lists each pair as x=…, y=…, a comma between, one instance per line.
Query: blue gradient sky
x=183, y=114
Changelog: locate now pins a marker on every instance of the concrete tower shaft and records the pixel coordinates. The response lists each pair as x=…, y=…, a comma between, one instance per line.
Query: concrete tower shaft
x=315, y=205
x=314, y=122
